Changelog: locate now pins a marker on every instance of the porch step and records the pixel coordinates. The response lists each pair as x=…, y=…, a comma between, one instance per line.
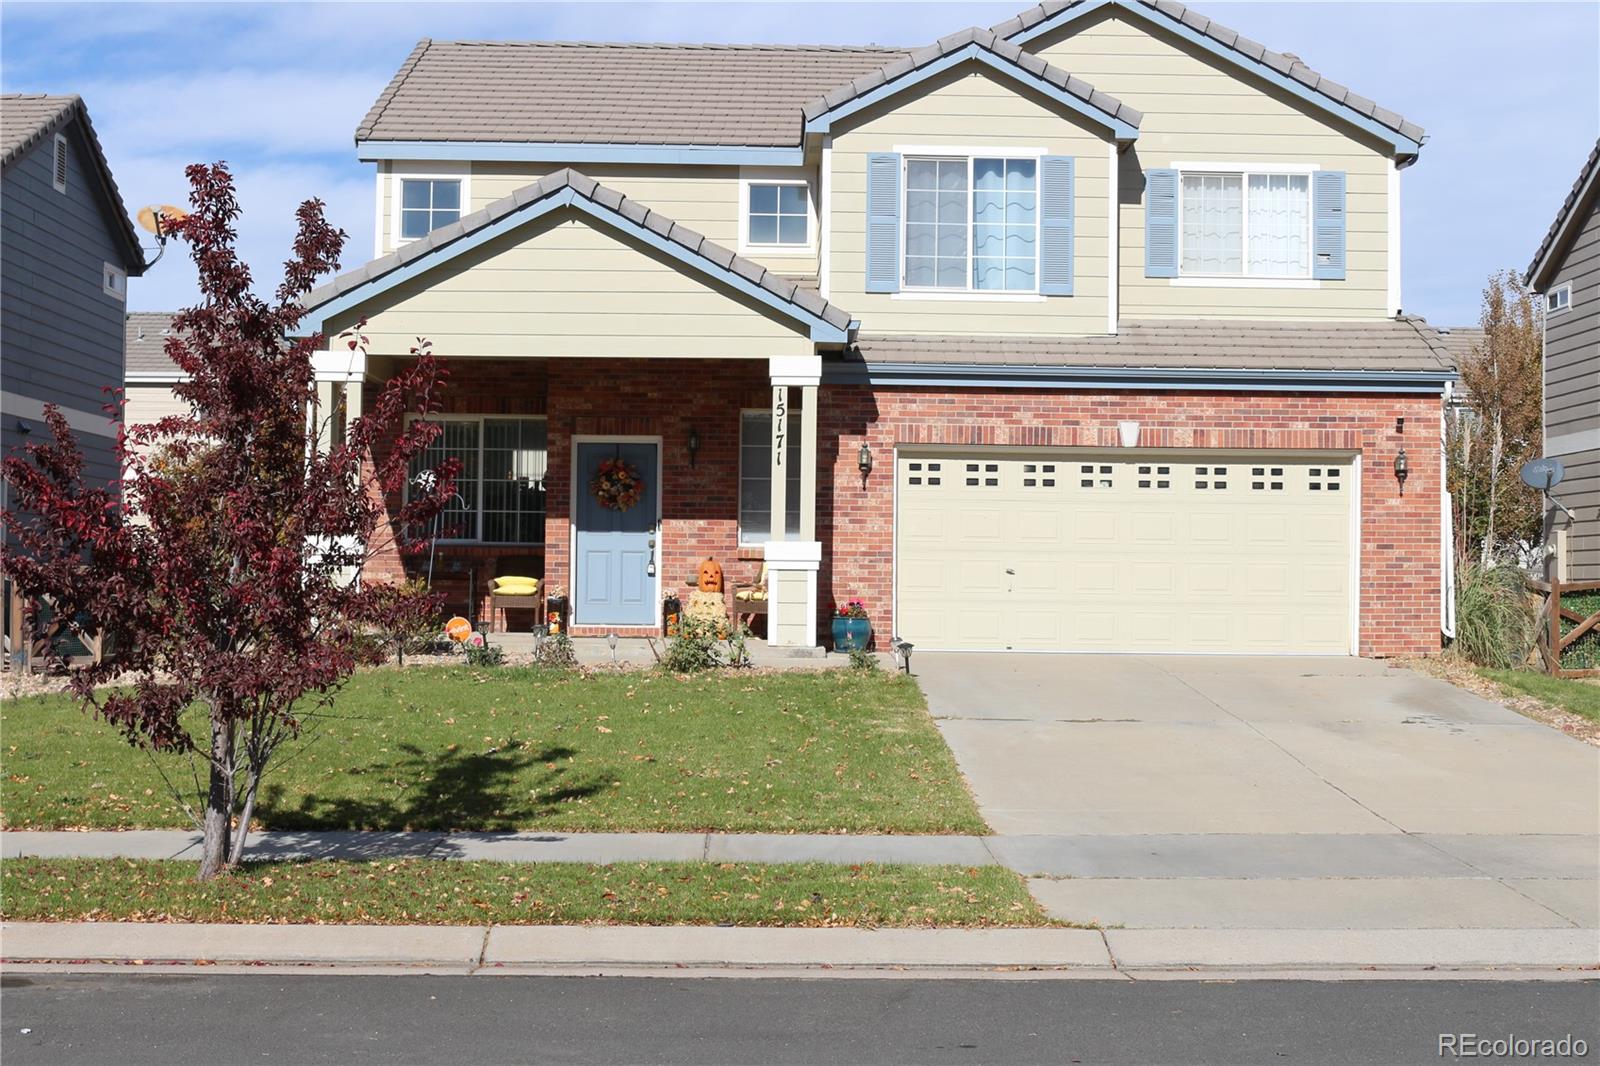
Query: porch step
x=635, y=652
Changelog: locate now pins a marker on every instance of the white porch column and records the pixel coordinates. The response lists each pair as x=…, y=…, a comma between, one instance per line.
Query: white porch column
x=792, y=564
x=339, y=376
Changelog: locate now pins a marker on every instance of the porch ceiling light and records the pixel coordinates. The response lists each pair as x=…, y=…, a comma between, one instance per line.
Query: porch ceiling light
x=693, y=443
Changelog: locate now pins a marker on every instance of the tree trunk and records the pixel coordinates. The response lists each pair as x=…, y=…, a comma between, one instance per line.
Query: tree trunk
x=219, y=801
x=245, y=814
x=1496, y=455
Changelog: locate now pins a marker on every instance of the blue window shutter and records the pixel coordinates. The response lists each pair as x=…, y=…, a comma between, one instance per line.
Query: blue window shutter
x=1327, y=225
x=1055, y=225
x=1161, y=223
x=883, y=222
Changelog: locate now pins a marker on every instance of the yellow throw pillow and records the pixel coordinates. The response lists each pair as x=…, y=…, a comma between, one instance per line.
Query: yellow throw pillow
x=516, y=586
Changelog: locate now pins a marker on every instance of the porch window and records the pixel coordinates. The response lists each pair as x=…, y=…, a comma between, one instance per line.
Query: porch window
x=500, y=491
x=755, y=478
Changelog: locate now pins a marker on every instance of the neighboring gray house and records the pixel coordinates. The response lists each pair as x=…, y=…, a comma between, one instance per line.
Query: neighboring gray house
x=1566, y=271
x=68, y=251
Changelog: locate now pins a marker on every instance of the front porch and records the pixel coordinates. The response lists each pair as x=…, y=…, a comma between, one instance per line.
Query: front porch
x=718, y=446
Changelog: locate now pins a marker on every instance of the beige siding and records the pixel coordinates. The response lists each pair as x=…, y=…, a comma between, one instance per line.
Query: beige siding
x=151, y=403
x=1198, y=109
x=565, y=286
x=971, y=108
x=705, y=199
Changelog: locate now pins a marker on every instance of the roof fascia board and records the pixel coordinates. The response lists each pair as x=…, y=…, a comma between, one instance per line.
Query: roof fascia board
x=823, y=123
x=1538, y=275
x=988, y=375
x=819, y=330
x=581, y=152
x=1402, y=145
x=154, y=377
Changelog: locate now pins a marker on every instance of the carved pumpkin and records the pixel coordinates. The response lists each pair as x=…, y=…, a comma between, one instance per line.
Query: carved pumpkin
x=710, y=579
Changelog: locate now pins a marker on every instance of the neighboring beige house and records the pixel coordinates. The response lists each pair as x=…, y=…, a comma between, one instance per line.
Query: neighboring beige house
x=150, y=374
x=1080, y=333
x=1566, y=272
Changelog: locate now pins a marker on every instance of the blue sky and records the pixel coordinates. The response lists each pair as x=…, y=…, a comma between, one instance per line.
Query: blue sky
x=1509, y=94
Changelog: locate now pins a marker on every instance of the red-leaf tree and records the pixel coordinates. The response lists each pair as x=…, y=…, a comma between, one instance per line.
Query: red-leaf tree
x=222, y=579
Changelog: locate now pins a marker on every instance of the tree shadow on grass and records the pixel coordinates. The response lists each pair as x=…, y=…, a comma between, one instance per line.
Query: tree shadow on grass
x=493, y=791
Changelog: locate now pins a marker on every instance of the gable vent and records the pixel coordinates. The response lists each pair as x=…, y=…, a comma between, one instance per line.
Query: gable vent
x=59, y=172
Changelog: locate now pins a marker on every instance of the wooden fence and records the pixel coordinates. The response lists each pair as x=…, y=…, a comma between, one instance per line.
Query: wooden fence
x=1551, y=641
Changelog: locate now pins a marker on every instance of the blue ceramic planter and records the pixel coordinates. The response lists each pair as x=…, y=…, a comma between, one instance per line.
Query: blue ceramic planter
x=851, y=633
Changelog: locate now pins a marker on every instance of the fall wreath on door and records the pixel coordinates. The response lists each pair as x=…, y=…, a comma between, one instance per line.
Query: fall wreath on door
x=616, y=486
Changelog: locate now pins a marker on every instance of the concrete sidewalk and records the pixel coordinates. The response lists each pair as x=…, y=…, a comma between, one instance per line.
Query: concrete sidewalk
x=684, y=950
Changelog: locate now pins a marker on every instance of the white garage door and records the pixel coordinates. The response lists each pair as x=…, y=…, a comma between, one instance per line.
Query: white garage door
x=1181, y=552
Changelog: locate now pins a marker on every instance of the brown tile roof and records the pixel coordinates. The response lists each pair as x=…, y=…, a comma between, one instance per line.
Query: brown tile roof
x=1279, y=62
x=720, y=258
x=534, y=91
x=987, y=40
x=28, y=118
x=1401, y=344
x=145, y=343
x=1460, y=341
x=1533, y=275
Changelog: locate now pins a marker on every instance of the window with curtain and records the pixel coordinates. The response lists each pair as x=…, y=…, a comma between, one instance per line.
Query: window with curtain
x=1246, y=225
x=426, y=204
x=972, y=224
x=755, y=477
x=500, y=488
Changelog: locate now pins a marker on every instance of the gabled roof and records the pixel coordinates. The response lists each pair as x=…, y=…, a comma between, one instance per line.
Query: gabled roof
x=1568, y=220
x=28, y=118
x=984, y=46
x=144, y=347
x=1285, y=70
x=825, y=322
x=652, y=94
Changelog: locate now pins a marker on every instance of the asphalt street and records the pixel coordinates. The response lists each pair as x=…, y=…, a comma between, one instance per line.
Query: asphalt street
x=211, y=1019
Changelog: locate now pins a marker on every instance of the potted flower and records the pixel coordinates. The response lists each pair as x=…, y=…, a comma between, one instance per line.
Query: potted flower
x=852, y=628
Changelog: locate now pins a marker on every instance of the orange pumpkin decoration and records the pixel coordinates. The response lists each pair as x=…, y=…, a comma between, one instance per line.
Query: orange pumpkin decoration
x=710, y=576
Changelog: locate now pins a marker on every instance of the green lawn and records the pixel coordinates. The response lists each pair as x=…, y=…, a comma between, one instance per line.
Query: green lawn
x=458, y=748
x=1578, y=697
x=445, y=892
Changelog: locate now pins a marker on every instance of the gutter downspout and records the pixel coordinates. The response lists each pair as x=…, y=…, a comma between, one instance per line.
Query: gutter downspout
x=1447, y=532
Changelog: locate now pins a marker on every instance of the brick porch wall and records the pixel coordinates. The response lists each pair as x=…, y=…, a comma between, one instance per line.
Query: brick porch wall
x=659, y=398
x=1400, y=535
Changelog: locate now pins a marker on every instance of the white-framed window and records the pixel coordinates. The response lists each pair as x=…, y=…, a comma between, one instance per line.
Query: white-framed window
x=755, y=478
x=971, y=224
x=777, y=215
x=1244, y=224
x=58, y=164
x=114, y=281
x=425, y=204
x=1558, y=299
x=500, y=497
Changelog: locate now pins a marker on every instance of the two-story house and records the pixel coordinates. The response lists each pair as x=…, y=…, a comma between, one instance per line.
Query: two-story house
x=1080, y=333
x=69, y=249
x=1566, y=272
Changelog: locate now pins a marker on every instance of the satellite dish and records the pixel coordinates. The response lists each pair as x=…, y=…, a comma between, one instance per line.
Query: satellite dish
x=1542, y=474
x=150, y=216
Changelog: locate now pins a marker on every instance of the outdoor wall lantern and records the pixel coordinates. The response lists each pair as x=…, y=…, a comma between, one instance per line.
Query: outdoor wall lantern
x=864, y=462
x=694, y=443
x=1402, y=466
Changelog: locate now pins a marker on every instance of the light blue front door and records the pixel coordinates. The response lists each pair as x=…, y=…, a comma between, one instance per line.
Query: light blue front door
x=614, y=582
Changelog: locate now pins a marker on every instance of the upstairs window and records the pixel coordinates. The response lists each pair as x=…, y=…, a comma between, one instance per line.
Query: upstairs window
x=971, y=224
x=1246, y=225
x=1558, y=299
x=777, y=215
x=114, y=281
x=426, y=204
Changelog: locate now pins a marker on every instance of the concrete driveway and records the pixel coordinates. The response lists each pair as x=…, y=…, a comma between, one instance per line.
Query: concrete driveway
x=1085, y=744
x=1219, y=793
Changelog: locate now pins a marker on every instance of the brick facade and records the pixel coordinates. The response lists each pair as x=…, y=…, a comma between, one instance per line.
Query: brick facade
x=1400, y=535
